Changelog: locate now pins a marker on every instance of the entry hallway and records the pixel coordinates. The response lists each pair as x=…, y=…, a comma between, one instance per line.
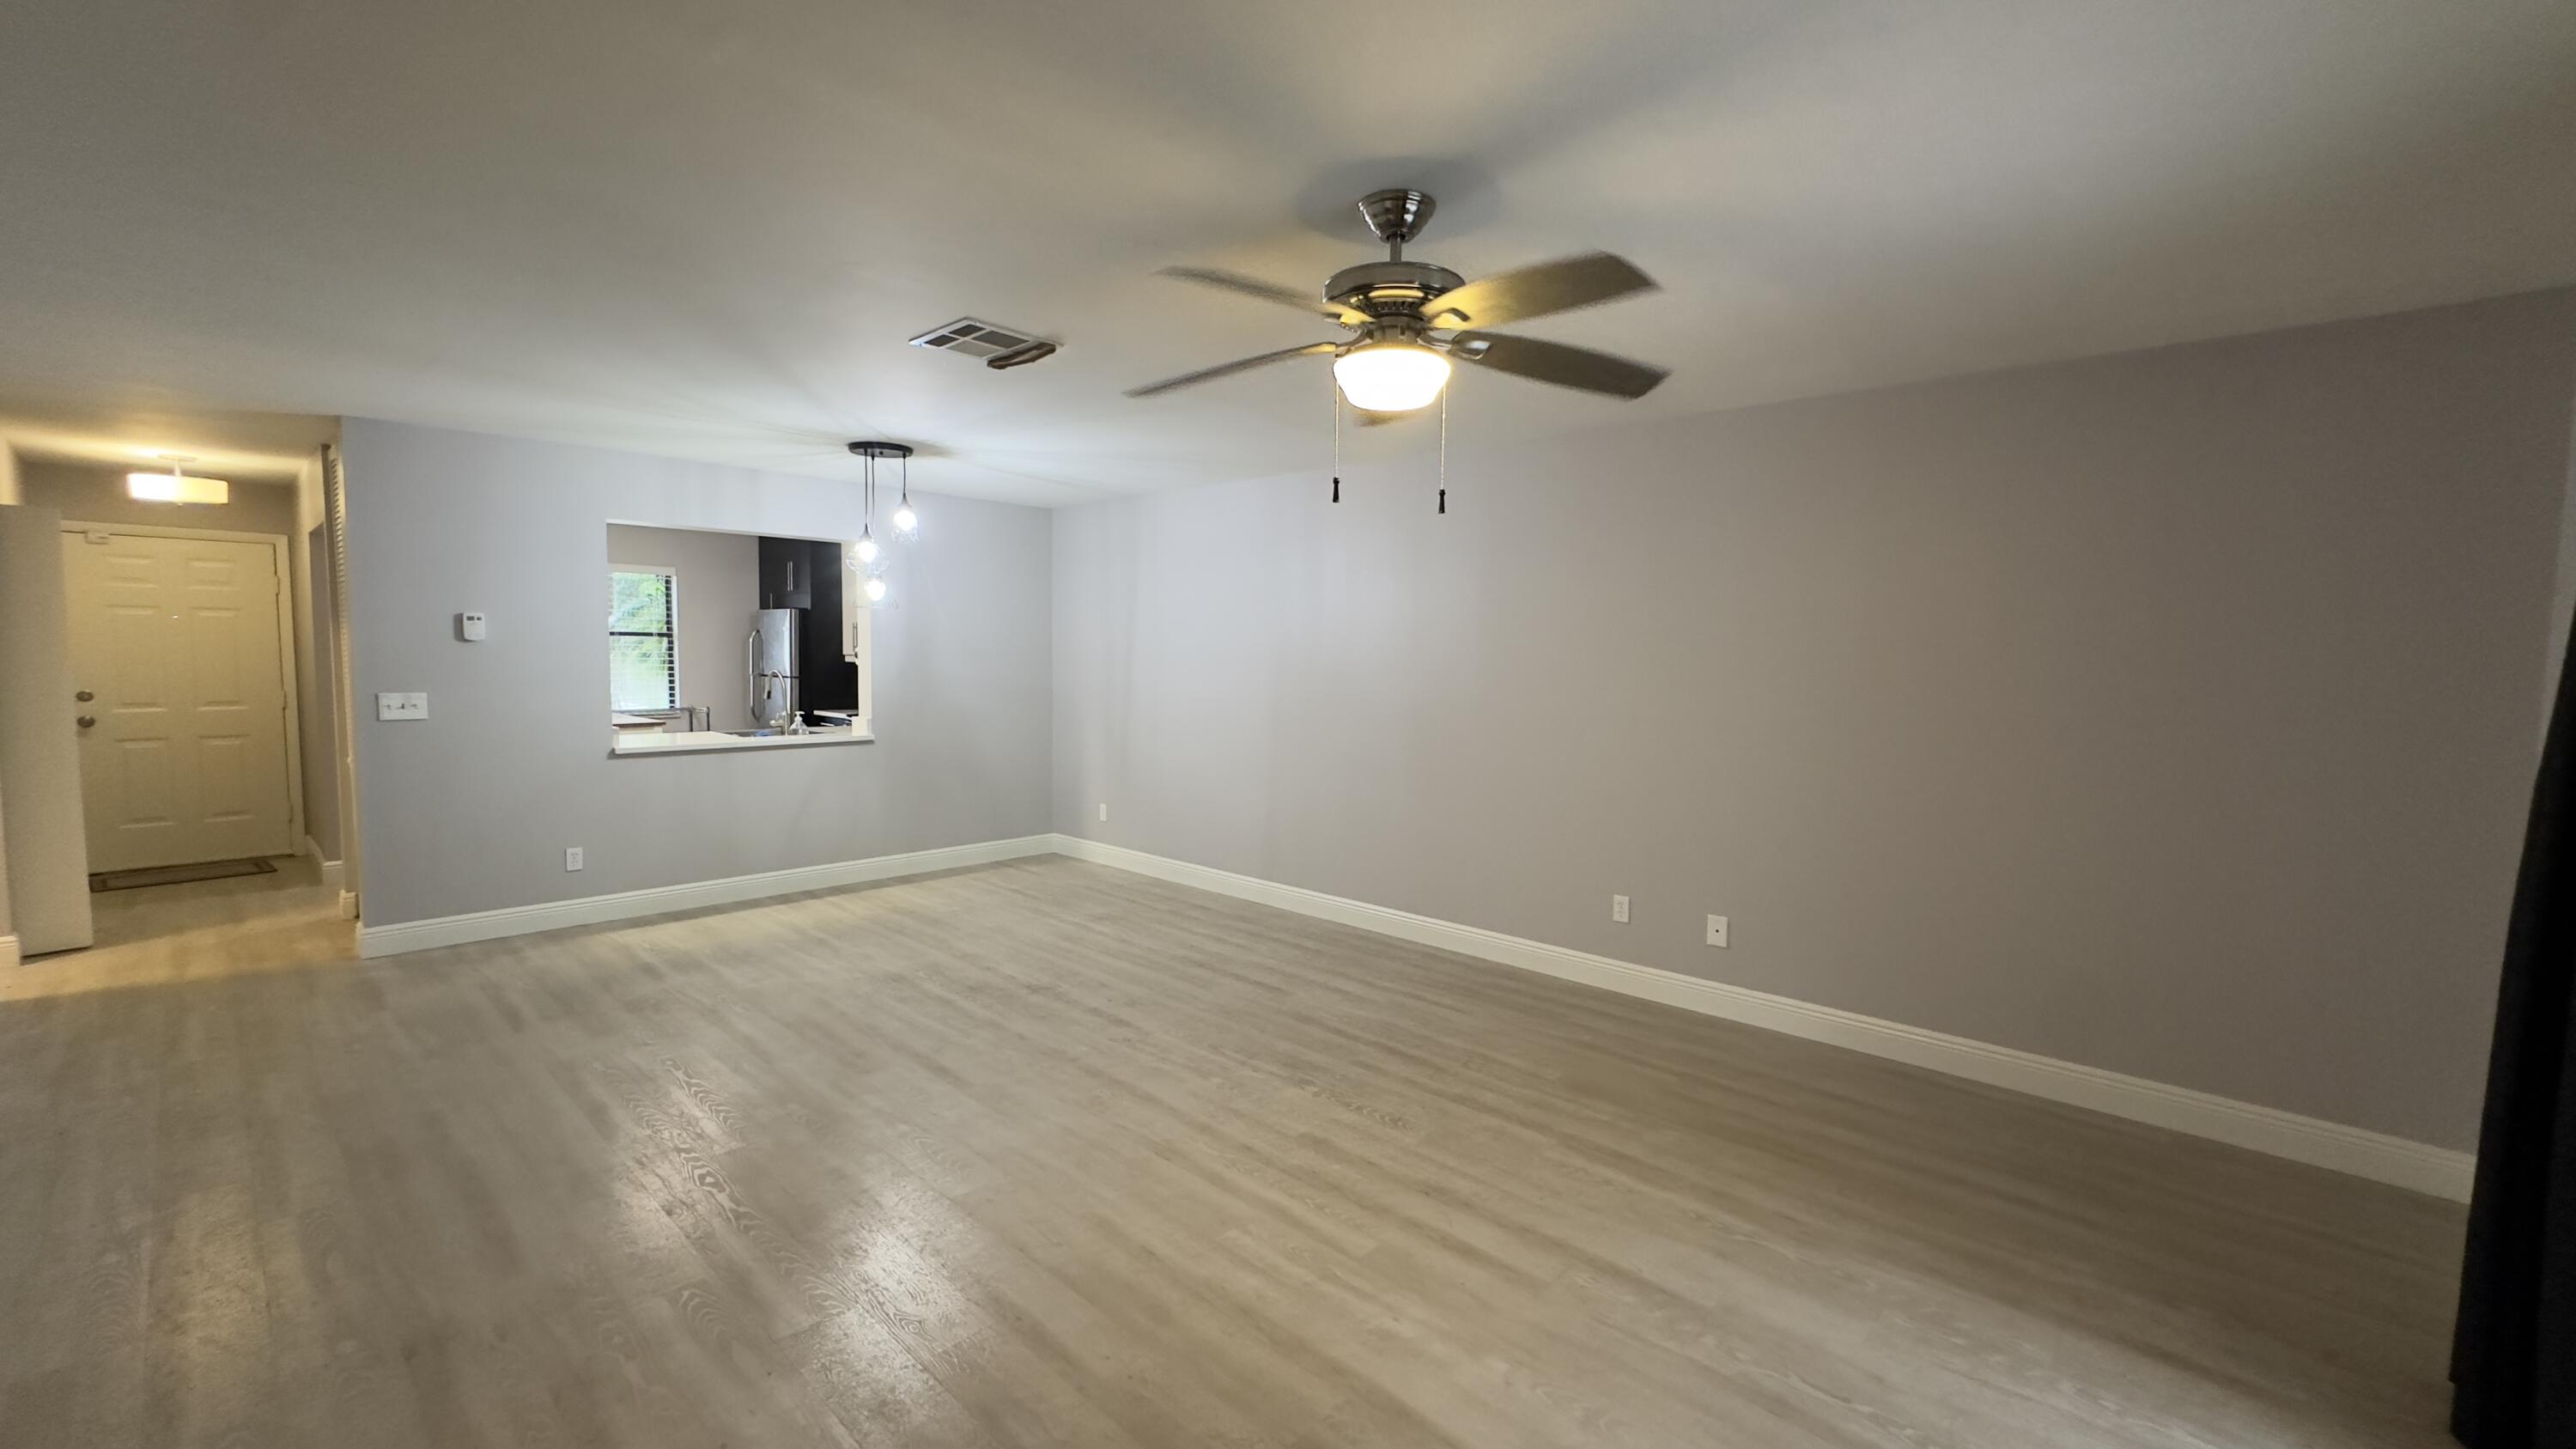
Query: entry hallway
x=1046, y=1153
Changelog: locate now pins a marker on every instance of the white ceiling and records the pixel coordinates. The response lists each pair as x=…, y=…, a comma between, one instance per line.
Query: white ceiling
x=706, y=230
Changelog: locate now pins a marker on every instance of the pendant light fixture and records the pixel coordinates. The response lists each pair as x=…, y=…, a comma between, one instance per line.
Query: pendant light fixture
x=865, y=553
x=906, y=521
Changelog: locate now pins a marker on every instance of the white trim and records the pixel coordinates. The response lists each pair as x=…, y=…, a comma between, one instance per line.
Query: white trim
x=2363, y=1153
x=590, y=910
x=284, y=565
x=8, y=952
x=348, y=903
x=328, y=869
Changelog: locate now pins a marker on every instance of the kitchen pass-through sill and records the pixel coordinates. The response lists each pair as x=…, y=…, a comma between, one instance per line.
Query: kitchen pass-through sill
x=703, y=742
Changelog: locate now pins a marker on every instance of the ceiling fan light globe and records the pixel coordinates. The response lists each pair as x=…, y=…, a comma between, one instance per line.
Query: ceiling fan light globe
x=1391, y=377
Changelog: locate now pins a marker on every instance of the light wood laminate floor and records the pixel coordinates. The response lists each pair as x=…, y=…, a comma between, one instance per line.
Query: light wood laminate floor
x=1045, y=1153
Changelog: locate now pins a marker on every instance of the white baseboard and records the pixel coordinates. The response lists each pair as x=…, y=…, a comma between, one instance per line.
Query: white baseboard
x=439, y=931
x=330, y=869
x=348, y=904
x=8, y=952
x=2363, y=1153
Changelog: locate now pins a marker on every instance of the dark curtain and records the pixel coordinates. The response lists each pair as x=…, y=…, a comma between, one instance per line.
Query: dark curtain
x=2513, y=1353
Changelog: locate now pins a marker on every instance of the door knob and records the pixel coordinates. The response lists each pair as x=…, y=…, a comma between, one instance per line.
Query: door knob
x=87, y=720
x=84, y=696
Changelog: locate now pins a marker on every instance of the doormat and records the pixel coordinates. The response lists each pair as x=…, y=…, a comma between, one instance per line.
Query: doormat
x=126, y=880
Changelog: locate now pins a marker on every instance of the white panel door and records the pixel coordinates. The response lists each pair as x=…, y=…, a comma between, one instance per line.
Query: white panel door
x=184, y=755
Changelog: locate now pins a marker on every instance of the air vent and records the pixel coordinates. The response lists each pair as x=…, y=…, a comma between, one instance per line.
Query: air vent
x=968, y=337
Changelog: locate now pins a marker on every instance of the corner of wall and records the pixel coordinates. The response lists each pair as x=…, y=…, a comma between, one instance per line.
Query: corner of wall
x=310, y=506
x=2562, y=599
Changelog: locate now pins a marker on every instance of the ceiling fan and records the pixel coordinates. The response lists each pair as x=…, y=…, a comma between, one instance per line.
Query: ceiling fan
x=1413, y=319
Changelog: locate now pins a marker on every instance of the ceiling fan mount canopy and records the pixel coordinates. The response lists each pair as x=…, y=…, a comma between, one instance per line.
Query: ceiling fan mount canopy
x=1397, y=215
x=1399, y=304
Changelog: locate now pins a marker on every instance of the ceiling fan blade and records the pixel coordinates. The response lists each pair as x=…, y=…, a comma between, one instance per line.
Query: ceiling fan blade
x=1266, y=291
x=1517, y=296
x=1579, y=367
x=1240, y=364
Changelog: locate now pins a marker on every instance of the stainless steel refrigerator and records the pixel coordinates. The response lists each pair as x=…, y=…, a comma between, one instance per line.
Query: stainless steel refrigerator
x=772, y=692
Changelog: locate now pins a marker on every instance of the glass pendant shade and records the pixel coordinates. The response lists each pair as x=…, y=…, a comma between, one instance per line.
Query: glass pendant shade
x=1391, y=377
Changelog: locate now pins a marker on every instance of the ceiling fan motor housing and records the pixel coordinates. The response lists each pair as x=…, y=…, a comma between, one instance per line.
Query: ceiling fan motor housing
x=1384, y=289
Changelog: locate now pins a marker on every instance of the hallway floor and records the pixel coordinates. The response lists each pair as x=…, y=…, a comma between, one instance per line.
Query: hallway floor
x=197, y=931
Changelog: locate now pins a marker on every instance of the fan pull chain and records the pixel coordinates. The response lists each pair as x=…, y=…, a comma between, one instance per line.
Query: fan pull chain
x=1333, y=389
x=1444, y=451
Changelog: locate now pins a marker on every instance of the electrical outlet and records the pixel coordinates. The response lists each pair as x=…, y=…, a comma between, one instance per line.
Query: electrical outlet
x=1104, y=810
x=572, y=857
x=1717, y=930
x=1619, y=909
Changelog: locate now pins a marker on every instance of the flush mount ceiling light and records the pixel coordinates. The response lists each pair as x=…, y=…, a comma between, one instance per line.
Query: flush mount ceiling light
x=1414, y=319
x=175, y=486
x=864, y=553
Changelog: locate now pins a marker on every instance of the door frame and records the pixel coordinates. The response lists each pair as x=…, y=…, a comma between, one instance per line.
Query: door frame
x=295, y=832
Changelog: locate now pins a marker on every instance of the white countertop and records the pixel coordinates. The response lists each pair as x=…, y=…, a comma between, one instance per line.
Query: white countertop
x=696, y=742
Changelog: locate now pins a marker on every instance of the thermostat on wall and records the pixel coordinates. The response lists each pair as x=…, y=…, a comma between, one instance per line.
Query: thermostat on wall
x=470, y=628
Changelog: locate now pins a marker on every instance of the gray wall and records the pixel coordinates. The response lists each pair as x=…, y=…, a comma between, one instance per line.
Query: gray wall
x=94, y=493
x=719, y=587
x=2562, y=610
x=8, y=496
x=2172, y=712
x=471, y=808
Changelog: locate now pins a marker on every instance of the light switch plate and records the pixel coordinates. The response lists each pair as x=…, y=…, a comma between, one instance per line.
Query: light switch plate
x=393, y=705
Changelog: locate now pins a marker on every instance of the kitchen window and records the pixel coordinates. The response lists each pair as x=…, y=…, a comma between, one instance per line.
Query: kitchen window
x=643, y=641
